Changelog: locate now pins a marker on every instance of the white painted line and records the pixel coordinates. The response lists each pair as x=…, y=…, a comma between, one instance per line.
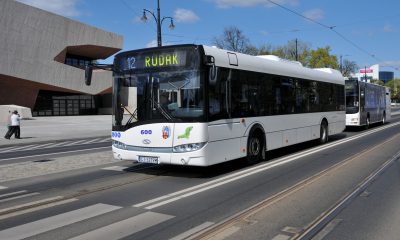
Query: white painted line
x=13, y=193
x=106, y=140
x=13, y=214
x=327, y=229
x=125, y=227
x=51, y=223
x=17, y=197
x=39, y=146
x=115, y=168
x=30, y=204
x=3, y=187
x=47, y=154
x=60, y=143
x=18, y=148
x=75, y=143
x=250, y=171
x=192, y=231
x=94, y=140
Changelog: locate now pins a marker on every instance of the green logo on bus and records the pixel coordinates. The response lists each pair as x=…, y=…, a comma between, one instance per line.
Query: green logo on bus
x=186, y=134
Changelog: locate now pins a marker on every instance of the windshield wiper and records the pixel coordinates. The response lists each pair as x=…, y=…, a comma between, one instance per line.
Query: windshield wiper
x=163, y=112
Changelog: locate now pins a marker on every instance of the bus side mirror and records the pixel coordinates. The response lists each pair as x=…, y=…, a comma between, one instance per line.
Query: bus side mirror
x=88, y=74
x=210, y=60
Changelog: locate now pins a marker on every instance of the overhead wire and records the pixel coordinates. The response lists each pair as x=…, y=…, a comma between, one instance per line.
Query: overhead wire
x=331, y=28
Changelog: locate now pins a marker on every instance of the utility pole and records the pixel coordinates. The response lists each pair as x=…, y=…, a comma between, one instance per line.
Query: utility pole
x=365, y=74
x=297, y=56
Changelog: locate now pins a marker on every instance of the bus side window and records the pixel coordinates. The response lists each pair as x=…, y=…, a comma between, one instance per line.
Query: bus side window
x=217, y=95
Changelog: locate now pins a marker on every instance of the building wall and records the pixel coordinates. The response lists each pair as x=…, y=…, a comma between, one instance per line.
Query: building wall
x=33, y=48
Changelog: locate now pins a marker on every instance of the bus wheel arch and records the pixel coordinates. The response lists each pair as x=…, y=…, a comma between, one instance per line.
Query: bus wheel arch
x=324, y=131
x=256, y=144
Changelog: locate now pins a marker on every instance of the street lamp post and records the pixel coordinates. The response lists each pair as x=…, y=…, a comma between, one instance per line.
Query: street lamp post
x=159, y=22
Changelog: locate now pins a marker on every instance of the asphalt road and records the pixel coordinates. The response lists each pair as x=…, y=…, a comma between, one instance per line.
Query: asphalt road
x=281, y=197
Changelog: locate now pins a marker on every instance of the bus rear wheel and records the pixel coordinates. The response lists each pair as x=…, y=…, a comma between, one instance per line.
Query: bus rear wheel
x=323, y=134
x=367, y=123
x=255, y=148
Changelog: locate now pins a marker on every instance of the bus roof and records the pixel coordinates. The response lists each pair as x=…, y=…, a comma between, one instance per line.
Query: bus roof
x=265, y=64
x=273, y=65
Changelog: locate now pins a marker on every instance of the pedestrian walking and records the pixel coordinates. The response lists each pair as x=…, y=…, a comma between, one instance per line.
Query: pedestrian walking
x=15, y=125
x=9, y=128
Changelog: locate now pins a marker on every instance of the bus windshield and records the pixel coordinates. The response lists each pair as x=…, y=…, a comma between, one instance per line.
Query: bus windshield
x=169, y=96
x=352, y=97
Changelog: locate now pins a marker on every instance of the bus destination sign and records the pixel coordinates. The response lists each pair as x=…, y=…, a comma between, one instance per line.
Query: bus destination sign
x=153, y=60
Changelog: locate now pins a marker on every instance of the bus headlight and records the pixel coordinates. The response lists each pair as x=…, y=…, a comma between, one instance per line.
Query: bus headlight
x=119, y=145
x=188, y=147
x=354, y=120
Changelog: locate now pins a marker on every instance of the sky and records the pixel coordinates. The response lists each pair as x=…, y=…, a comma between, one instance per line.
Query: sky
x=364, y=31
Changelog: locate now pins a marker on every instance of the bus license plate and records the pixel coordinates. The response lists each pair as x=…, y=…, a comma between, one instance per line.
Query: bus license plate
x=147, y=159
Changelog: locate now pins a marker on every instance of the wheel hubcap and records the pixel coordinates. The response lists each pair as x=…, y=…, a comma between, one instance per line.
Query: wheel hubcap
x=255, y=146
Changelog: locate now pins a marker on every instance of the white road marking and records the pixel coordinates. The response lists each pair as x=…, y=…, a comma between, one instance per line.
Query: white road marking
x=48, y=145
x=115, y=168
x=13, y=193
x=94, y=140
x=75, y=143
x=51, y=223
x=17, y=148
x=327, y=229
x=33, y=209
x=3, y=187
x=29, y=204
x=17, y=197
x=47, y=154
x=125, y=227
x=192, y=231
x=247, y=172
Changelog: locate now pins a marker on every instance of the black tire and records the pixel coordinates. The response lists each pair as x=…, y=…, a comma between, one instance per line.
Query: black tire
x=384, y=119
x=367, y=123
x=323, y=133
x=255, y=148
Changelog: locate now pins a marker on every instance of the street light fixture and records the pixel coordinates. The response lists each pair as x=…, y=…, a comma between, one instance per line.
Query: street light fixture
x=159, y=22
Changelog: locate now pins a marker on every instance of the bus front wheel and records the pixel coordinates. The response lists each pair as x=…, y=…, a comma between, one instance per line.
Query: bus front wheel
x=323, y=136
x=255, y=148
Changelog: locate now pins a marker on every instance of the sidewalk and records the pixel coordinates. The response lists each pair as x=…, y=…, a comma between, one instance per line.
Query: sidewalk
x=46, y=129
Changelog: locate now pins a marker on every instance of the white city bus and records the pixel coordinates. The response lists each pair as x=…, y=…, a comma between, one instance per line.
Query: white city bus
x=198, y=105
x=366, y=103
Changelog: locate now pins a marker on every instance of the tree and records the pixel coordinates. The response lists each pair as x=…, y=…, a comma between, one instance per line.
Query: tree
x=233, y=39
x=394, y=86
x=321, y=58
x=349, y=67
x=289, y=51
x=378, y=82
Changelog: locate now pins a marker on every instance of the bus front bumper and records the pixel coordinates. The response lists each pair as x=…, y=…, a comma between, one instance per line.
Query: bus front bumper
x=195, y=158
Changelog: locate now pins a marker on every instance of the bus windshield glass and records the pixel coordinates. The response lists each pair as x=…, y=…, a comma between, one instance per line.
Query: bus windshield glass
x=141, y=98
x=352, y=97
